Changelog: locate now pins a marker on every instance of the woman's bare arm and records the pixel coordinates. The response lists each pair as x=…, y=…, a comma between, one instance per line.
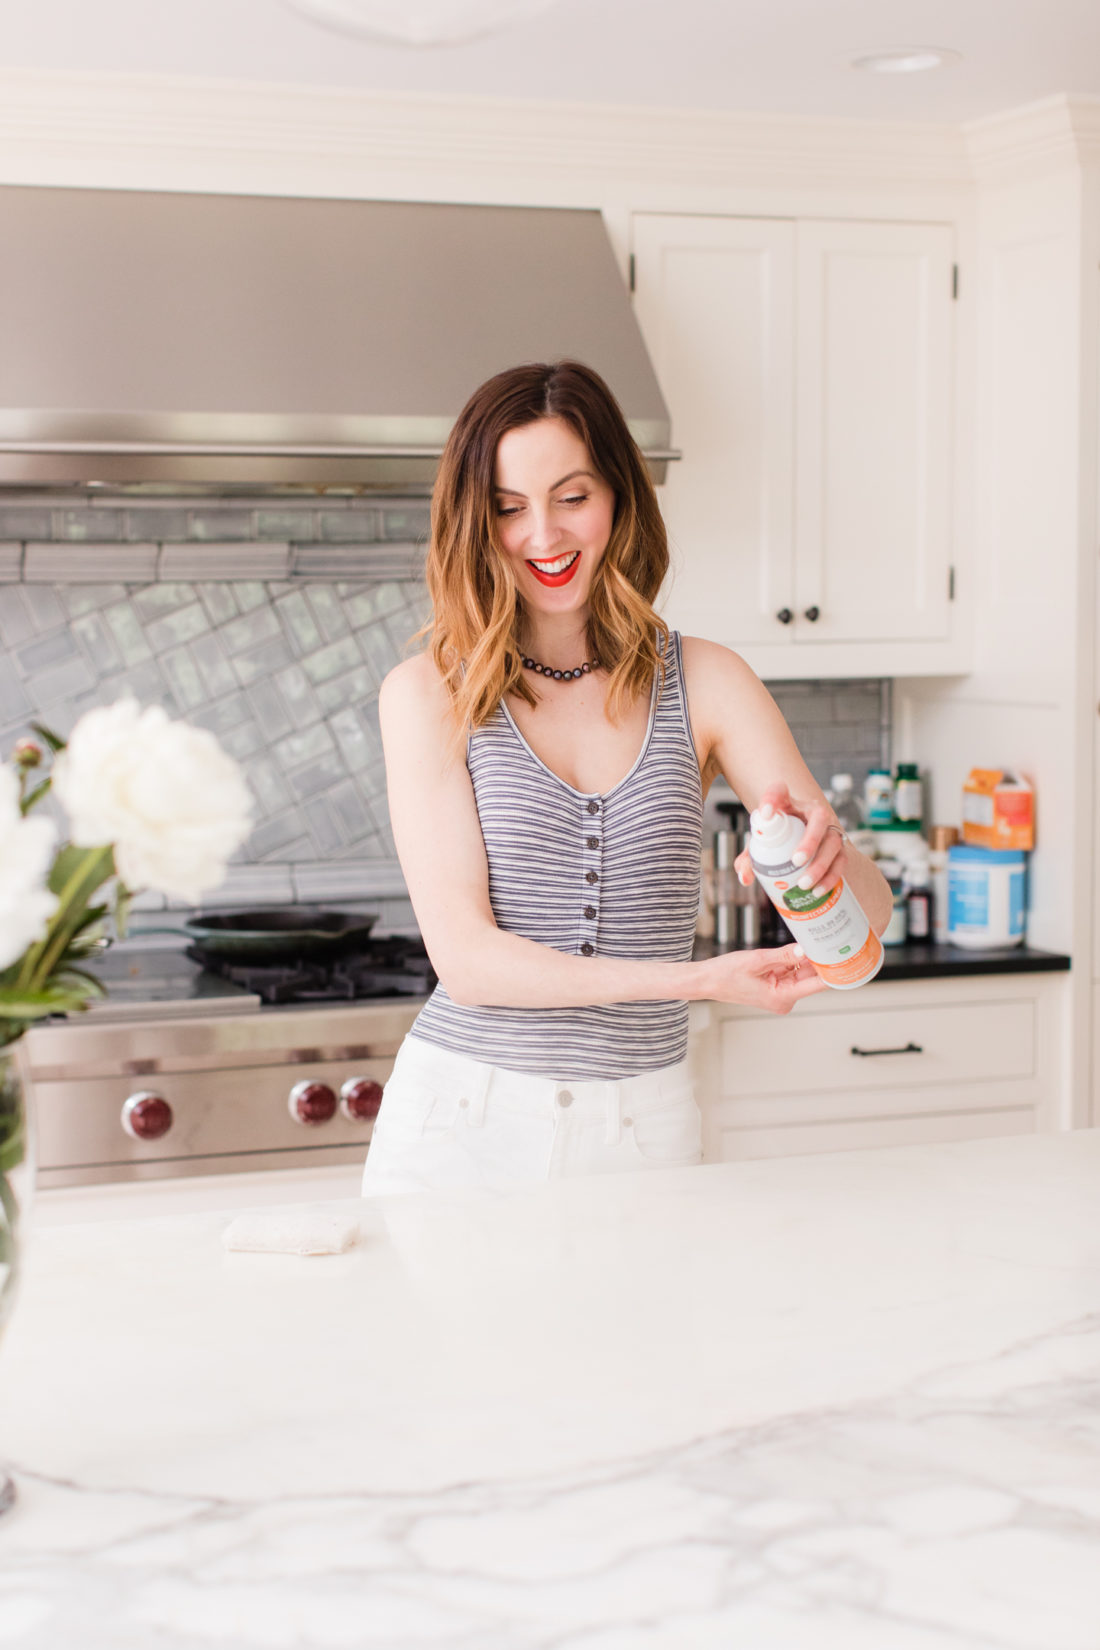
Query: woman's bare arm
x=739, y=729
x=442, y=853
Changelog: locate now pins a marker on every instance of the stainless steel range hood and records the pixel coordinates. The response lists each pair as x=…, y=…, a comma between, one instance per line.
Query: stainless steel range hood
x=210, y=342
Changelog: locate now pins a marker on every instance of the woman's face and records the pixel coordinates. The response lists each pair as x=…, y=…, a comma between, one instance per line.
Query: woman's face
x=554, y=514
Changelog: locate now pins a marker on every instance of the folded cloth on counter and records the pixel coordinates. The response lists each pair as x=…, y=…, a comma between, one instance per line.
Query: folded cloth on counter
x=292, y=1232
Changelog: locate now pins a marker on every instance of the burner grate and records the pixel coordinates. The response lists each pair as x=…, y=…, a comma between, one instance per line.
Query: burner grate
x=390, y=966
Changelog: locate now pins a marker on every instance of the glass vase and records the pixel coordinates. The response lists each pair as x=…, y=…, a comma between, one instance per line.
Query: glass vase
x=16, y=1186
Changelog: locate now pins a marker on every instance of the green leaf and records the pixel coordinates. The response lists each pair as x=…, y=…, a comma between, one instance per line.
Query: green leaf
x=49, y=739
x=34, y=1005
x=123, y=899
x=34, y=796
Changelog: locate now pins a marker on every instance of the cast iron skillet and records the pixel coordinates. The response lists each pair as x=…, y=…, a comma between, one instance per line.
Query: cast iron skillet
x=278, y=934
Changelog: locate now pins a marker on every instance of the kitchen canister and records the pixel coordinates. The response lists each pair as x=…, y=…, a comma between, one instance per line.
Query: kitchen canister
x=986, y=896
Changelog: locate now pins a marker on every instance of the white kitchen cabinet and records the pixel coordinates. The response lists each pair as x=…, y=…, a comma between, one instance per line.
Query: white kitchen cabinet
x=808, y=368
x=897, y=1063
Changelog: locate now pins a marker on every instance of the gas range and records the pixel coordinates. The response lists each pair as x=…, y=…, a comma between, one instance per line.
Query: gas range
x=183, y=1071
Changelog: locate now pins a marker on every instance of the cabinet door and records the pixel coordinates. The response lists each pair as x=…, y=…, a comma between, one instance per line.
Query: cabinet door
x=873, y=516
x=714, y=298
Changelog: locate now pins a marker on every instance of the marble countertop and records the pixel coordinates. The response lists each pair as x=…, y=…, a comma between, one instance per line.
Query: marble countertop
x=846, y=1401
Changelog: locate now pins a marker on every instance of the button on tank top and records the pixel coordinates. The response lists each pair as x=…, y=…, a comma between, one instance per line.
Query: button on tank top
x=594, y=875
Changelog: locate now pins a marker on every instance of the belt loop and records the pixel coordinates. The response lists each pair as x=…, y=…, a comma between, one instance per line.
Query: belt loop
x=476, y=1092
x=614, y=1113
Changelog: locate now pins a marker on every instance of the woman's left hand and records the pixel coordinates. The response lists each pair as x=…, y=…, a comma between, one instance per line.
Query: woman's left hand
x=821, y=850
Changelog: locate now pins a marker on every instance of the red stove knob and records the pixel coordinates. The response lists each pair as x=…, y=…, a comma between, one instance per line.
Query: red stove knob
x=360, y=1098
x=146, y=1116
x=312, y=1102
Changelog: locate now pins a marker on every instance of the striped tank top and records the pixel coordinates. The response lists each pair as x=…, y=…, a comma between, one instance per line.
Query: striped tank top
x=611, y=875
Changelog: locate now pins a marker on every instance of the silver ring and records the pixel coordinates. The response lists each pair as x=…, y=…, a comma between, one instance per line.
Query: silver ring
x=841, y=833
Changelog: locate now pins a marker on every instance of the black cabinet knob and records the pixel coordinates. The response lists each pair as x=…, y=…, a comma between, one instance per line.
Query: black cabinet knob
x=784, y=615
x=813, y=614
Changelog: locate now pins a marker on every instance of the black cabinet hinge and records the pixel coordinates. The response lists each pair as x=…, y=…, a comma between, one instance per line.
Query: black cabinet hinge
x=954, y=280
x=951, y=584
x=632, y=272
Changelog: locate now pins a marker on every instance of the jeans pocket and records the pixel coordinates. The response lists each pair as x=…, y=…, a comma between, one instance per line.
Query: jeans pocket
x=670, y=1133
x=414, y=1110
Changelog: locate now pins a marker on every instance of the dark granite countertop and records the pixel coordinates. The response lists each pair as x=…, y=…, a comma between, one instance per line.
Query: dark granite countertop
x=919, y=961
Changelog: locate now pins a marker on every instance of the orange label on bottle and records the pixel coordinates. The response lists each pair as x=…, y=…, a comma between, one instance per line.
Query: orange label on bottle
x=853, y=969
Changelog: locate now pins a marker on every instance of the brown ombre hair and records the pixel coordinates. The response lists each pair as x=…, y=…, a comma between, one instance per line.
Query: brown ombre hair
x=476, y=614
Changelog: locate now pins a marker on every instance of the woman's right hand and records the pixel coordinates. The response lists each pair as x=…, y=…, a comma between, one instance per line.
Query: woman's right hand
x=774, y=979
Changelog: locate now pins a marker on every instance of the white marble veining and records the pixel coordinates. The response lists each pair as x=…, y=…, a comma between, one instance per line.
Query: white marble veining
x=847, y=1401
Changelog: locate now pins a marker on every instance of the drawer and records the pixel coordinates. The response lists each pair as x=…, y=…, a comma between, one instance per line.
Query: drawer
x=920, y=1046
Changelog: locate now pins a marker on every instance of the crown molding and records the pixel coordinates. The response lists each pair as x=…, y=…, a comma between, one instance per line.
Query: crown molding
x=1050, y=135
x=151, y=131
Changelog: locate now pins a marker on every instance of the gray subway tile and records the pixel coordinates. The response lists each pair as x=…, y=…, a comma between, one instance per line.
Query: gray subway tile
x=18, y=522
x=184, y=678
x=44, y=607
x=332, y=660
x=299, y=623
x=220, y=526
x=250, y=594
x=298, y=748
x=413, y=522
x=88, y=598
x=88, y=562
x=328, y=611
x=157, y=599
x=304, y=708
x=228, y=713
x=353, y=815
x=292, y=526
x=61, y=682
x=354, y=526
x=250, y=630
x=155, y=523
x=218, y=675
x=16, y=624
x=219, y=602
x=275, y=834
x=243, y=741
x=261, y=661
x=174, y=628
x=269, y=710
x=143, y=681
x=317, y=776
x=87, y=523
x=126, y=628
x=341, y=691
x=53, y=649
x=14, y=703
x=11, y=563
x=323, y=825
x=97, y=641
x=356, y=748
x=377, y=647
x=266, y=783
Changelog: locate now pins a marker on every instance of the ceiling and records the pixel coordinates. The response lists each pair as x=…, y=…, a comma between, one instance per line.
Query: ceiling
x=778, y=56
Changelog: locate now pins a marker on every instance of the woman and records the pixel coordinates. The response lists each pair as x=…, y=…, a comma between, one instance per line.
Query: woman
x=547, y=760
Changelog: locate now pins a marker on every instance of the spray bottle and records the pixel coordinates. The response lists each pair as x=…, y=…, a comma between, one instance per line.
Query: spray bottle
x=831, y=928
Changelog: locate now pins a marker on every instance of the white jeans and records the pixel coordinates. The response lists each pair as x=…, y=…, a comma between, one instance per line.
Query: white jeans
x=448, y=1121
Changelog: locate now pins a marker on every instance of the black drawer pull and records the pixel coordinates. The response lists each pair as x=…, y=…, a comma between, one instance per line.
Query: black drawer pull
x=866, y=1053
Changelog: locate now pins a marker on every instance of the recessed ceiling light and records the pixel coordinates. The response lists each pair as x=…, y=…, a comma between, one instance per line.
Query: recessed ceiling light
x=907, y=60
x=419, y=22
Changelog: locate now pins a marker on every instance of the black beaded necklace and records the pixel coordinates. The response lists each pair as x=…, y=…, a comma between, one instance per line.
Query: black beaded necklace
x=561, y=675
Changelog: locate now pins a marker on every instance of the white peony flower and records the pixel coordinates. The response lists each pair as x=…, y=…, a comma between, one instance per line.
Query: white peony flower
x=26, y=855
x=174, y=804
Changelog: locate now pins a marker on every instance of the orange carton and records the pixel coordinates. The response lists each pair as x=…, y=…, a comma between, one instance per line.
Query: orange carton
x=998, y=810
